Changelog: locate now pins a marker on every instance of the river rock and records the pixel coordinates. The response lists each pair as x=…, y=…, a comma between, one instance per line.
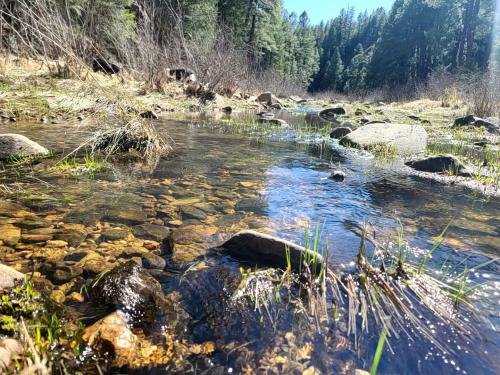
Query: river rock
x=153, y=261
x=131, y=216
x=268, y=99
x=113, y=336
x=130, y=289
x=10, y=234
x=406, y=139
x=440, y=164
x=341, y=132
x=153, y=232
x=9, y=277
x=114, y=234
x=59, y=272
x=331, y=114
x=337, y=176
x=16, y=145
x=257, y=248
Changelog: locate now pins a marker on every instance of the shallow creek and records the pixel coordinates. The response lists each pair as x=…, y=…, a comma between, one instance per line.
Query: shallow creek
x=217, y=182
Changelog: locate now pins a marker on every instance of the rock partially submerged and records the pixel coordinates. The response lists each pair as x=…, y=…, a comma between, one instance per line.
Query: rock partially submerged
x=341, y=132
x=260, y=248
x=441, y=164
x=331, y=114
x=16, y=146
x=113, y=336
x=337, y=175
x=406, y=139
x=130, y=289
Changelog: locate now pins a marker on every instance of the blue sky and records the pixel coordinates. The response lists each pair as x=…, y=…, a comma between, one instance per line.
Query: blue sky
x=326, y=9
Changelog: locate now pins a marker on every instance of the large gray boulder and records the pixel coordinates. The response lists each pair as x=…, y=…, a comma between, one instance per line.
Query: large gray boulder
x=16, y=145
x=262, y=248
x=406, y=139
x=441, y=164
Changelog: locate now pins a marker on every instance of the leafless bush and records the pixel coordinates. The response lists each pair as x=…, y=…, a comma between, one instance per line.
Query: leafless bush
x=484, y=96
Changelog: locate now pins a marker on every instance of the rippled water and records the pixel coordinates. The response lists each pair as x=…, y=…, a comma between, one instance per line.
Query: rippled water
x=235, y=181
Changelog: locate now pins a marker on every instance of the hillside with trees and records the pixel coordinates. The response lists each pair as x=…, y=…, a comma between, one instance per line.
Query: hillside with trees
x=351, y=53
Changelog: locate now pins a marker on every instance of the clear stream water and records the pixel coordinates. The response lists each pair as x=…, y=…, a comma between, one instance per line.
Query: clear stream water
x=241, y=181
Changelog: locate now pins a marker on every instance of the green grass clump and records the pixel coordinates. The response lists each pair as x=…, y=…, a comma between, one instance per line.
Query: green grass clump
x=41, y=328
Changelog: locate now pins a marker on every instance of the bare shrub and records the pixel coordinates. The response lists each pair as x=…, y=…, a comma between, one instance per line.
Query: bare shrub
x=484, y=96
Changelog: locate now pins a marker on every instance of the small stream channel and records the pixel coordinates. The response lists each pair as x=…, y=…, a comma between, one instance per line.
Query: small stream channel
x=217, y=182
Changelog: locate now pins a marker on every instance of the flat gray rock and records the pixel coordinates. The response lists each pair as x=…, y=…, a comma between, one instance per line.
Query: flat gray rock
x=16, y=145
x=406, y=139
x=262, y=248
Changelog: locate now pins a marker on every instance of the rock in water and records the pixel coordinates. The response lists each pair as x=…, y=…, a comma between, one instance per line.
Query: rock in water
x=9, y=277
x=441, y=164
x=112, y=335
x=16, y=145
x=260, y=248
x=337, y=176
x=130, y=289
x=268, y=99
x=331, y=114
x=341, y=132
x=406, y=139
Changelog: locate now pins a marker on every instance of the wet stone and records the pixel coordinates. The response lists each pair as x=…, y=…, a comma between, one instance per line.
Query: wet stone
x=34, y=223
x=191, y=212
x=35, y=238
x=152, y=261
x=115, y=234
x=73, y=236
x=60, y=272
x=130, y=289
x=9, y=234
x=131, y=217
x=151, y=232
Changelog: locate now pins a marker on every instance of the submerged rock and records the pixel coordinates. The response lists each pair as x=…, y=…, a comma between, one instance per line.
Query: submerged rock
x=256, y=247
x=112, y=336
x=341, y=132
x=16, y=145
x=10, y=234
x=153, y=232
x=406, y=139
x=9, y=277
x=441, y=164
